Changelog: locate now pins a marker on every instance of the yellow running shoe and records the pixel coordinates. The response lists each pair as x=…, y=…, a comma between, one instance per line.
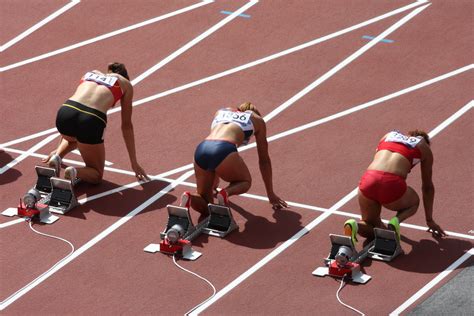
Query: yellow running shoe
x=350, y=229
x=394, y=224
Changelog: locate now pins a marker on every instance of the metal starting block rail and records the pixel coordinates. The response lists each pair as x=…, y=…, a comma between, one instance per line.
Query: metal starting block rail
x=179, y=232
x=343, y=259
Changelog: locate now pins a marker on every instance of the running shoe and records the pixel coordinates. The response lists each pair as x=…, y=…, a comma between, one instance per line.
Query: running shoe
x=222, y=198
x=394, y=224
x=350, y=229
x=185, y=199
x=71, y=174
x=55, y=163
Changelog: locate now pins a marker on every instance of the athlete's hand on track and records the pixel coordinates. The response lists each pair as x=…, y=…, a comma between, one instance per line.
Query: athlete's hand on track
x=276, y=202
x=435, y=229
x=140, y=173
x=46, y=160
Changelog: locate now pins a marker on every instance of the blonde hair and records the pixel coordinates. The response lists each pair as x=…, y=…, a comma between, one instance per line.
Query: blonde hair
x=421, y=133
x=248, y=106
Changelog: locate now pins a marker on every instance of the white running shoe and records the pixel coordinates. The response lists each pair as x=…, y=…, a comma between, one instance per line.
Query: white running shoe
x=55, y=163
x=71, y=174
x=222, y=197
x=185, y=200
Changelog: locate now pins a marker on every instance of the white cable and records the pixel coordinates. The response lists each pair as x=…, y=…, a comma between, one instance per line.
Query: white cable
x=348, y=306
x=50, y=236
x=202, y=278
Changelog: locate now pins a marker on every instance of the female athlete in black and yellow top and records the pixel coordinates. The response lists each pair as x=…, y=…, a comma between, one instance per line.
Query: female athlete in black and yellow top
x=217, y=157
x=82, y=119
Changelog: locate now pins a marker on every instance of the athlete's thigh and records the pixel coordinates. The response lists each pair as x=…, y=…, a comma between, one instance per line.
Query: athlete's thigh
x=370, y=210
x=233, y=169
x=204, y=182
x=408, y=199
x=93, y=155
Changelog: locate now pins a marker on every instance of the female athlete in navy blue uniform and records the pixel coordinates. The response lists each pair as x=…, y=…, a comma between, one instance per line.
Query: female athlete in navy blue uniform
x=217, y=157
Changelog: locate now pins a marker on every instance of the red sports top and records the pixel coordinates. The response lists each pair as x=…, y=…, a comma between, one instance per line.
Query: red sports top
x=111, y=82
x=403, y=145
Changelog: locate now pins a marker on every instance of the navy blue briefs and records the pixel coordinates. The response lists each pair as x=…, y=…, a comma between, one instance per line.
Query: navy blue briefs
x=210, y=153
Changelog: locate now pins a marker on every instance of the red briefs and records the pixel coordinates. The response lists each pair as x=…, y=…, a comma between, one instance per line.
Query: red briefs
x=383, y=187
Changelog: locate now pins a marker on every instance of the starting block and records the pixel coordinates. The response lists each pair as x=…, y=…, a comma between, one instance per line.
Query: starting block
x=180, y=231
x=220, y=222
x=344, y=260
x=386, y=245
x=62, y=198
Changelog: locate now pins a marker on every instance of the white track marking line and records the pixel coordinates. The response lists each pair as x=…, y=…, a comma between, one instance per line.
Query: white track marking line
x=78, y=153
x=433, y=282
x=239, y=68
x=194, y=41
x=345, y=62
x=27, y=153
x=268, y=58
x=13, y=222
x=38, y=25
x=29, y=137
x=94, y=241
x=105, y=36
x=299, y=128
x=275, y=252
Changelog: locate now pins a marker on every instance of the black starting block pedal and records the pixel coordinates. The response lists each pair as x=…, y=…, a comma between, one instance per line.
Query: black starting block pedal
x=386, y=245
x=62, y=198
x=220, y=222
x=179, y=219
x=43, y=184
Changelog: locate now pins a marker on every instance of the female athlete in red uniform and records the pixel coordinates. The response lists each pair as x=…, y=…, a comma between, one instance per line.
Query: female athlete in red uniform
x=383, y=184
x=82, y=119
x=217, y=157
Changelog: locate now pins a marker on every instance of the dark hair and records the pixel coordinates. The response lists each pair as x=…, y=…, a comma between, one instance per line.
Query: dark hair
x=118, y=68
x=421, y=133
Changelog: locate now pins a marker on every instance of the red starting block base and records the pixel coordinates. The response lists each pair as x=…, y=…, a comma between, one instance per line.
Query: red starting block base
x=174, y=249
x=348, y=270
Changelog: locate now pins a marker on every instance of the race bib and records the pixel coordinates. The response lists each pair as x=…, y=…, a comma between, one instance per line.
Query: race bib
x=108, y=81
x=396, y=137
x=231, y=116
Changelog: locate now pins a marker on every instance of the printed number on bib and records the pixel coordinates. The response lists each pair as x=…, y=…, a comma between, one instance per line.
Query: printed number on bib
x=396, y=137
x=108, y=81
x=239, y=117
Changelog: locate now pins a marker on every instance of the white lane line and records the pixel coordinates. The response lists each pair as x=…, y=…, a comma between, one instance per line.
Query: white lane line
x=13, y=222
x=271, y=57
x=302, y=127
x=105, y=36
x=194, y=41
x=451, y=119
x=239, y=68
x=29, y=137
x=5, y=303
x=345, y=62
x=27, y=153
x=38, y=25
x=229, y=287
x=433, y=282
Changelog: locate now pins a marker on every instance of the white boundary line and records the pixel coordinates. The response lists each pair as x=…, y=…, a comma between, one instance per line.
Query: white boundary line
x=239, y=68
x=275, y=252
x=433, y=282
x=13, y=222
x=195, y=41
x=346, y=61
x=105, y=36
x=27, y=153
x=94, y=241
x=38, y=25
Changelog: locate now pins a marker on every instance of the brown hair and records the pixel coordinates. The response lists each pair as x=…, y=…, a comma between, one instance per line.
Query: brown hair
x=118, y=68
x=421, y=133
x=248, y=106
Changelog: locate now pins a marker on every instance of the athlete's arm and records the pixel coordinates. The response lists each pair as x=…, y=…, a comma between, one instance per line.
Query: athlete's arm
x=428, y=188
x=127, y=129
x=264, y=161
